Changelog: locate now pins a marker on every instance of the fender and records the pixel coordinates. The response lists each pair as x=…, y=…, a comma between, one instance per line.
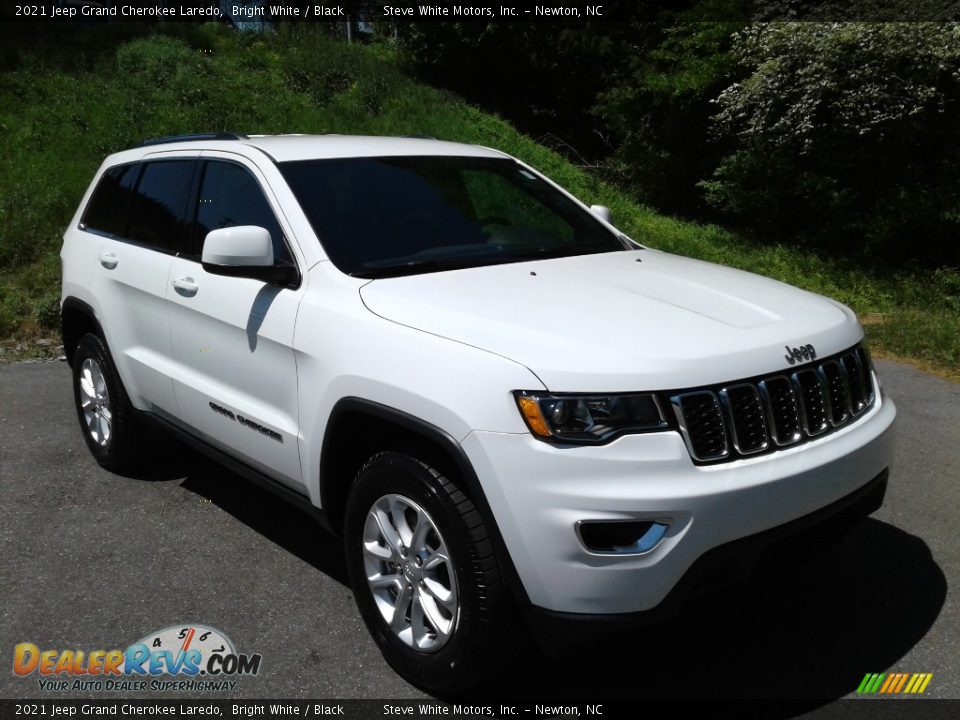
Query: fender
x=79, y=306
x=448, y=445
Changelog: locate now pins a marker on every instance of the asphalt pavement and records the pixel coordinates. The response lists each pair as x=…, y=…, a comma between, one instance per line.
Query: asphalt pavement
x=93, y=560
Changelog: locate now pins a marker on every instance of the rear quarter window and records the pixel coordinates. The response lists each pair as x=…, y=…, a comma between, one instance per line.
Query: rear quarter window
x=107, y=210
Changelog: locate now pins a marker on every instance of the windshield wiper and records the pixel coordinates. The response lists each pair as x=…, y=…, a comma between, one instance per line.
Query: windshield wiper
x=416, y=267
x=549, y=253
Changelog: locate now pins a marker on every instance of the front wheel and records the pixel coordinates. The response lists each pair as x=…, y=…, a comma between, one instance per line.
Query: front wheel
x=425, y=577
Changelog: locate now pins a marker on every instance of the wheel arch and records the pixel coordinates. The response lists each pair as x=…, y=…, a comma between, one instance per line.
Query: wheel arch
x=359, y=428
x=76, y=319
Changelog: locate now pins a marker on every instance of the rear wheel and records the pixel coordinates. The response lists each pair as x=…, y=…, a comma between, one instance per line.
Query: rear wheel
x=105, y=414
x=425, y=577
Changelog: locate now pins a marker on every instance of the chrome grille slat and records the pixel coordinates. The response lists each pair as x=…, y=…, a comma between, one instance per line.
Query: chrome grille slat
x=748, y=422
x=781, y=400
x=857, y=387
x=744, y=418
x=701, y=423
x=838, y=394
x=813, y=401
x=865, y=365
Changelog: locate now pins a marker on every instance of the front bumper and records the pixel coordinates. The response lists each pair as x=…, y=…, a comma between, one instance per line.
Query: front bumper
x=736, y=563
x=538, y=493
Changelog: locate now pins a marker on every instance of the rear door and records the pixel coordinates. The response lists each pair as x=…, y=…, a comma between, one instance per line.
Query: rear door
x=136, y=224
x=236, y=378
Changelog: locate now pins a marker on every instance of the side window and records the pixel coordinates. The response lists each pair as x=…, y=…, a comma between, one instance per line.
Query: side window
x=107, y=211
x=159, y=204
x=230, y=196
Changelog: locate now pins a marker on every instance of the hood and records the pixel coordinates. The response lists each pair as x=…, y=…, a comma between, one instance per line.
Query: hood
x=618, y=321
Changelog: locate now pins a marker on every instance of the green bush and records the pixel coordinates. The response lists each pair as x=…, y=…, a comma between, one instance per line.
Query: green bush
x=321, y=75
x=847, y=136
x=12, y=310
x=153, y=62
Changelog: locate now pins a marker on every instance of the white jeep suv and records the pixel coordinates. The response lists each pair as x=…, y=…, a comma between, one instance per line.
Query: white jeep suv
x=510, y=410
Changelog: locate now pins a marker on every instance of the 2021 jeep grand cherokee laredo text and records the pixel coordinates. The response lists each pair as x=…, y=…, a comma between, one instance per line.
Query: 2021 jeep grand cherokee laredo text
x=496, y=397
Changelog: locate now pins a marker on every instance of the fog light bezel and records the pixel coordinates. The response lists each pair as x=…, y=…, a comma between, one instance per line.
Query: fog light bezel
x=659, y=526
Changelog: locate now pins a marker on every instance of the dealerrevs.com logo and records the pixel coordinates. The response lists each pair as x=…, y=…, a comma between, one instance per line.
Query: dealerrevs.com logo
x=180, y=657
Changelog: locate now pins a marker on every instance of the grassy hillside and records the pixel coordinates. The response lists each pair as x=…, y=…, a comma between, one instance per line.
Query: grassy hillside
x=64, y=107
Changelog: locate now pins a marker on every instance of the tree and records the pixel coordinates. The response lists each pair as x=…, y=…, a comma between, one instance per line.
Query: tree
x=658, y=111
x=846, y=135
x=543, y=76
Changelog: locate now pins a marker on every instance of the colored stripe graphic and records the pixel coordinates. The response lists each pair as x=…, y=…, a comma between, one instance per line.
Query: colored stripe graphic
x=901, y=683
x=891, y=680
x=894, y=683
x=875, y=681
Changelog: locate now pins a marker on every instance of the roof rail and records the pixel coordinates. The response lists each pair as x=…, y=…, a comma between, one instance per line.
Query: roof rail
x=190, y=137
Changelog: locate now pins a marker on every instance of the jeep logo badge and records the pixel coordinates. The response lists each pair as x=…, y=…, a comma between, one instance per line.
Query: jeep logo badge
x=804, y=352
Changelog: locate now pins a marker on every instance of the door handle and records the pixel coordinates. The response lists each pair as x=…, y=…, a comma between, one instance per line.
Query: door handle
x=109, y=260
x=186, y=286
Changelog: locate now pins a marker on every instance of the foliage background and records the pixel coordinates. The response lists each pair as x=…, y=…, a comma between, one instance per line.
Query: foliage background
x=821, y=154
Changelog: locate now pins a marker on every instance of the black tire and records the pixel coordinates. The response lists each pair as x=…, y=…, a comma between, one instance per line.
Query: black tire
x=485, y=629
x=117, y=450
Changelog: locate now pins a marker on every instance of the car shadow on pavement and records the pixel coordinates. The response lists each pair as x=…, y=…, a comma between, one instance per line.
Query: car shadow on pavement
x=161, y=457
x=274, y=518
x=811, y=634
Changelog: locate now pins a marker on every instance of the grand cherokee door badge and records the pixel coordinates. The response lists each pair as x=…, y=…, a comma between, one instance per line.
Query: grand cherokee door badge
x=247, y=422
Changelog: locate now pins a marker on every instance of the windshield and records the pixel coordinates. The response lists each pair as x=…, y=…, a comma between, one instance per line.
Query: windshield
x=389, y=216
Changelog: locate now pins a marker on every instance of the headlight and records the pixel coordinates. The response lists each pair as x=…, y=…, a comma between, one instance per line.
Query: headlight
x=589, y=418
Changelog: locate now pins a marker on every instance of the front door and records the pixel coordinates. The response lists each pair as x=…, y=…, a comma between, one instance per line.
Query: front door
x=236, y=380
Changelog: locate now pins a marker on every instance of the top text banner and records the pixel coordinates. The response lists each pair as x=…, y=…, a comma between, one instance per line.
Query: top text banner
x=261, y=14
x=250, y=15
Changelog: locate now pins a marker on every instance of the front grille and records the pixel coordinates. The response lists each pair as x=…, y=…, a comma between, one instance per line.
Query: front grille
x=748, y=417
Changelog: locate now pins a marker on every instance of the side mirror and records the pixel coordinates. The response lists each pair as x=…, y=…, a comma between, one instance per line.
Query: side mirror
x=245, y=251
x=602, y=212
x=241, y=246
